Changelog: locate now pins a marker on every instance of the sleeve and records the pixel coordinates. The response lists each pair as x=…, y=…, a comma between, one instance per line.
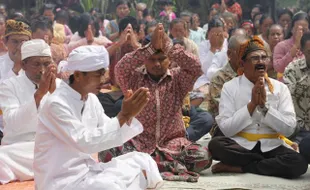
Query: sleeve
x=126, y=67
x=290, y=78
x=189, y=68
x=7, y=75
x=15, y=113
x=230, y=120
x=64, y=125
x=218, y=61
x=205, y=60
x=281, y=58
x=215, y=89
x=283, y=119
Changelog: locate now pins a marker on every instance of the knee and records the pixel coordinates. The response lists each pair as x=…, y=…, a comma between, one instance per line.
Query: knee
x=299, y=168
x=304, y=148
x=215, y=144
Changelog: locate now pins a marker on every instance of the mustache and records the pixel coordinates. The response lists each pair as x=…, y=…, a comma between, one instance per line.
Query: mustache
x=260, y=66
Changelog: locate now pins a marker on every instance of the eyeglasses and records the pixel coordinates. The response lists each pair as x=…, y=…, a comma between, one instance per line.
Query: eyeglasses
x=257, y=59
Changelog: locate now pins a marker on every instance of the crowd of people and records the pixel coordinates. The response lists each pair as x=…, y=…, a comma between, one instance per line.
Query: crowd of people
x=87, y=102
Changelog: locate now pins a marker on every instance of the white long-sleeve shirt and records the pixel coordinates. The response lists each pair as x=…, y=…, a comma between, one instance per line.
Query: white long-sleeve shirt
x=20, y=123
x=69, y=131
x=207, y=57
x=234, y=116
x=19, y=109
x=6, y=72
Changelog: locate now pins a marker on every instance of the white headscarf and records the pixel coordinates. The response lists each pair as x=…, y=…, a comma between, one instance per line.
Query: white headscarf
x=36, y=47
x=86, y=59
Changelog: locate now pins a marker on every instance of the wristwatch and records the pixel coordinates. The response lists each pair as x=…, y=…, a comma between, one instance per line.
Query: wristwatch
x=263, y=109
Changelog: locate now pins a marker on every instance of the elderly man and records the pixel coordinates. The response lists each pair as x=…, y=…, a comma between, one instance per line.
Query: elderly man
x=297, y=78
x=20, y=99
x=16, y=33
x=72, y=122
x=254, y=114
x=164, y=133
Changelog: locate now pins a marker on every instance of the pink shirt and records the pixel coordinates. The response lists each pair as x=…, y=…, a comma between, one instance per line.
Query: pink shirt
x=172, y=15
x=77, y=41
x=282, y=55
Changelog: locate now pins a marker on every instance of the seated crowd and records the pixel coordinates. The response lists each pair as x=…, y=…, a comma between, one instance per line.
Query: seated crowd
x=122, y=104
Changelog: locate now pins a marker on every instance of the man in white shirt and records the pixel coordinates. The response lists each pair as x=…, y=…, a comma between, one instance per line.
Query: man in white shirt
x=16, y=33
x=72, y=122
x=20, y=99
x=255, y=112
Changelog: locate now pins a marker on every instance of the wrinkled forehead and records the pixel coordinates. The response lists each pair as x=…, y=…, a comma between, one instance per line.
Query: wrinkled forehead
x=40, y=59
x=257, y=53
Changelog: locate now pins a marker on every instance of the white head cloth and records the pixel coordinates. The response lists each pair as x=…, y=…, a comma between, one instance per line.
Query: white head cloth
x=86, y=59
x=36, y=47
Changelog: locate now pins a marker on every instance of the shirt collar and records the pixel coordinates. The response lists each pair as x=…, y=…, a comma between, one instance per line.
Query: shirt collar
x=28, y=82
x=143, y=70
x=76, y=95
x=246, y=81
x=302, y=64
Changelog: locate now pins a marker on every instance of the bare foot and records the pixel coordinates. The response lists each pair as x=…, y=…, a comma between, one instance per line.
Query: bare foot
x=223, y=168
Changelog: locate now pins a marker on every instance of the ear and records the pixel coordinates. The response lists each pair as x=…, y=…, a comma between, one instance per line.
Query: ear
x=242, y=63
x=23, y=64
x=77, y=76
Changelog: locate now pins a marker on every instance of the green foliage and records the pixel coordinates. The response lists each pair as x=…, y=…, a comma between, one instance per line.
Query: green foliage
x=88, y=4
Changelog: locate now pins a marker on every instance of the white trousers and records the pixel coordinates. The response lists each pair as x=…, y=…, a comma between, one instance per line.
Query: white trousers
x=16, y=162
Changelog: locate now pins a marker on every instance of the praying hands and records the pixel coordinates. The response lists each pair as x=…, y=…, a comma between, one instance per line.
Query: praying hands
x=258, y=95
x=47, y=83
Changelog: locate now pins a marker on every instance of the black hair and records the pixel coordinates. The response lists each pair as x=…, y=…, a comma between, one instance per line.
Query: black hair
x=282, y=12
x=274, y=25
x=84, y=21
x=122, y=2
x=297, y=17
x=71, y=77
x=47, y=7
x=147, y=12
x=42, y=23
x=74, y=23
x=176, y=21
x=214, y=23
x=260, y=7
x=149, y=25
x=230, y=3
x=304, y=39
x=264, y=17
x=16, y=15
x=123, y=23
x=94, y=9
x=62, y=14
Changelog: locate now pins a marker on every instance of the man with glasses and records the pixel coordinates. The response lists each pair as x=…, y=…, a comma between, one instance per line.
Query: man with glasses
x=255, y=113
x=20, y=99
x=10, y=63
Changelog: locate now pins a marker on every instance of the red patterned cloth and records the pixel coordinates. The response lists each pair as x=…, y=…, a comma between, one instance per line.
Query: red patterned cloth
x=182, y=167
x=235, y=8
x=116, y=58
x=162, y=116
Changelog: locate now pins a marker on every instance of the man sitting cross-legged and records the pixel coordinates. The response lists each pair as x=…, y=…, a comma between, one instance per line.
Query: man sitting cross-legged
x=21, y=98
x=254, y=114
x=164, y=136
x=73, y=125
